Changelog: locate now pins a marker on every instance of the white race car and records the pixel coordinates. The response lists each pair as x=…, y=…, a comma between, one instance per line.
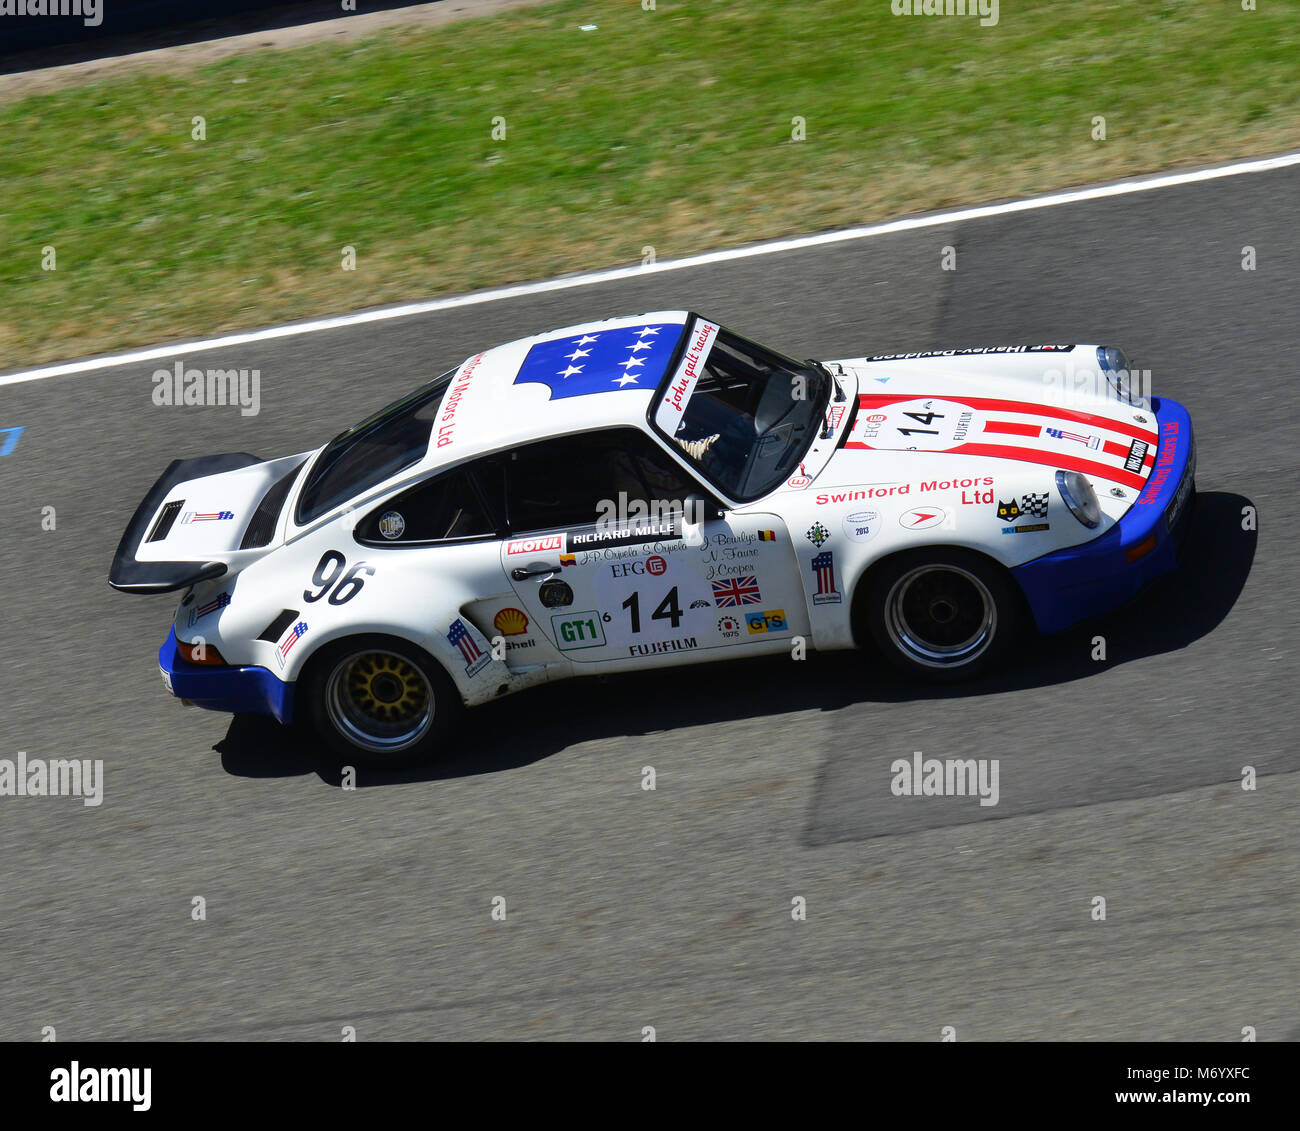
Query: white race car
x=657, y=490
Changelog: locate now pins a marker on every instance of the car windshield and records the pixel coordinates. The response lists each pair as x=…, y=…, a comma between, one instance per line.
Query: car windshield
x=378, y=448
x=750, y=416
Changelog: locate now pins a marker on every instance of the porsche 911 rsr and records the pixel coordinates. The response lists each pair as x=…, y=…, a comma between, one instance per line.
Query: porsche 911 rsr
x=650, y=491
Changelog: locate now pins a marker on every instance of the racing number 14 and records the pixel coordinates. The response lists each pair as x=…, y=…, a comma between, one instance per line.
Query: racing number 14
x=923, y=418
x=668, y=609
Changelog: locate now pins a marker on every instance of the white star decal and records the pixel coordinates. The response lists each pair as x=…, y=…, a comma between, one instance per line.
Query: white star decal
x=585, y=339
x=649, y=331
x=626, y=379
x=631, y=361
x=577, y=354
x=570, y=371
x=641, y=346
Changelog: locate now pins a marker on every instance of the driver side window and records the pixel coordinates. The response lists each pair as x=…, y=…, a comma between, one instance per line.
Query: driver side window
x=574, y=480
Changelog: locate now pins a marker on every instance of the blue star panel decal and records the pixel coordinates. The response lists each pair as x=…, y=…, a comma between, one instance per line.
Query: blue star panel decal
x=601, y=361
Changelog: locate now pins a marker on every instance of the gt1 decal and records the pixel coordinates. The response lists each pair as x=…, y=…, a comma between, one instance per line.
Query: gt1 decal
x=391, y=525
x=922, y=518
x=823, y=567
x=349, y=584
x=574, y=631
x=771, y=620
x=862, y=526
x=544, y=544
x=475, y=658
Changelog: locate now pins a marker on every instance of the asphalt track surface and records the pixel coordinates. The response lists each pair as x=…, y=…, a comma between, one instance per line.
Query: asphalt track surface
x=672, y=909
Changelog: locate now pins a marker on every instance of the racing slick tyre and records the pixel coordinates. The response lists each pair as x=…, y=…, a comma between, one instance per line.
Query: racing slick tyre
x=381, y=702
x=942, y=614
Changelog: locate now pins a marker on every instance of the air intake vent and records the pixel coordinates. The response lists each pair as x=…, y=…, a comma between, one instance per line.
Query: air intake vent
x=163, y=526
x=261, y=527
x=275, y=629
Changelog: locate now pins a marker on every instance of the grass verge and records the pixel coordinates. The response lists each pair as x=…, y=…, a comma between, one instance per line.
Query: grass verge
x=669, y=129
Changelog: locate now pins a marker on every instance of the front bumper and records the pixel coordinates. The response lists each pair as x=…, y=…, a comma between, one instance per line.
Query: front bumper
x=243, y=691
x=1071, y=585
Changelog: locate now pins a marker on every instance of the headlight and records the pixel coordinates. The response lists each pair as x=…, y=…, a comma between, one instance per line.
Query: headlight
x=1124, y=383
x=1079, y=497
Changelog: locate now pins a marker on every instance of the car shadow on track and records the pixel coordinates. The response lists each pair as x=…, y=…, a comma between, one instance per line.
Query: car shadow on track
x=1170, y=614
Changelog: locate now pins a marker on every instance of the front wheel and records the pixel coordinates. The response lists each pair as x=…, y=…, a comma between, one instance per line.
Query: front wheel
x=942, y=615
x=381, y=702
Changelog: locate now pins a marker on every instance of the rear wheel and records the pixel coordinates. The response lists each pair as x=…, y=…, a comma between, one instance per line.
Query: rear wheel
x=379, y=701
x=943, y=615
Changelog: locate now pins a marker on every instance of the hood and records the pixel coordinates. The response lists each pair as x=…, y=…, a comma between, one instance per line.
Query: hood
x=1042, y=408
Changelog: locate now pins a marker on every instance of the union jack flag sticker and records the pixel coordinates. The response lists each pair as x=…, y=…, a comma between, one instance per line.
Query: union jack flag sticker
x=736, y=591
x=475, y=659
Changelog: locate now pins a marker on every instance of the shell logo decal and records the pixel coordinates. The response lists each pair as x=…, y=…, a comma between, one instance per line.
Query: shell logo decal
x=511, y=622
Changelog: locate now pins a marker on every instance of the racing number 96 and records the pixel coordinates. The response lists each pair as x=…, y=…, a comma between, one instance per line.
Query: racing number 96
x=329, y=570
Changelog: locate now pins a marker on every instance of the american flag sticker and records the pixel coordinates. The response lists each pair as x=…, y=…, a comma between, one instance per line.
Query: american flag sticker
x=206, y=516
x=475, y=659
x=1093, y=442
x=823, y=566
x=285, y=646
x=197, y=614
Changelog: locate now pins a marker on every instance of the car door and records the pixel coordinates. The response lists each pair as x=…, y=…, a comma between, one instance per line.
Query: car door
x=622, y=556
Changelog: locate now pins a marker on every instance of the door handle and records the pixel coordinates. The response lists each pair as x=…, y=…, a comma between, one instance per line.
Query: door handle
x=521, y=574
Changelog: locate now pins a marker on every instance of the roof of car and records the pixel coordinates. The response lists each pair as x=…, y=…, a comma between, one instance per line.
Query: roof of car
x=575, y=379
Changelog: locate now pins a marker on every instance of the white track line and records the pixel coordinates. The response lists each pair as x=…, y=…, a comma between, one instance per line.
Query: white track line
x=1074, y=196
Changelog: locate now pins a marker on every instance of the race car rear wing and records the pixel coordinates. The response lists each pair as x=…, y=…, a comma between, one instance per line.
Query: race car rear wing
x=131, y=575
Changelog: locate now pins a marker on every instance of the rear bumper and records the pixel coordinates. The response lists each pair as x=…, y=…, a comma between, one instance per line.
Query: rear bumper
x=1071, y=585
x=243, y=691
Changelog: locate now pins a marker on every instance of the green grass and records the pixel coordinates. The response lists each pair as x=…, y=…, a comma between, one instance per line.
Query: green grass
x=669, y=128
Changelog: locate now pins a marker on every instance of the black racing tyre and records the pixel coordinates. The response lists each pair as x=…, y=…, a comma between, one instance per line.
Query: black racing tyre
x=379, y=701
x=942, y=615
